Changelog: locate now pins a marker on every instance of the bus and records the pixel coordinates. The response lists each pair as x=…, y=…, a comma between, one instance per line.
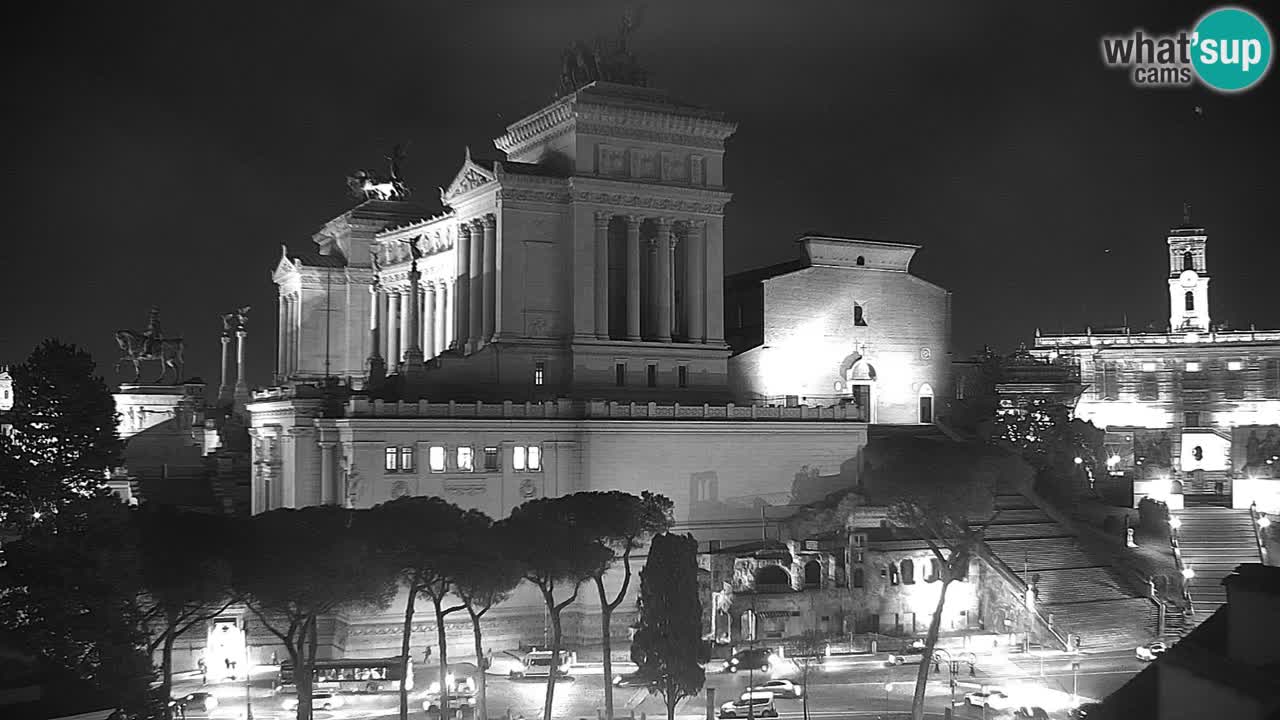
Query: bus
x=377, y=675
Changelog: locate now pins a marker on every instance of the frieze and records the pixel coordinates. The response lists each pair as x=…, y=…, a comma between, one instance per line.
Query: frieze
x=650, y=203
x=522, y=195
x=652, y=136
x=464, y=487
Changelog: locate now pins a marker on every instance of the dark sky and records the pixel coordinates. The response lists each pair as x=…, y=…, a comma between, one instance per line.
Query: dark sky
x=160, y=153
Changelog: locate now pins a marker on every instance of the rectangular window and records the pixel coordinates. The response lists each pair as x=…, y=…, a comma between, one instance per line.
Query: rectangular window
x=491, y=459
x=406, y=459
x=1149, y=388
x=1234, y=387
x=526, y=458
x=392, y=462
x=682, y=376
x=651, y=375
x=1148, y=367
x=535, y=458
x=1110, y=381
x=465, y=459
x=539, y=372
x=1234, y=365
x=518, y=458
x=1193, y=366
x=1271, y=378
x=1191, y=419
x=435, y=456
x=620, y=374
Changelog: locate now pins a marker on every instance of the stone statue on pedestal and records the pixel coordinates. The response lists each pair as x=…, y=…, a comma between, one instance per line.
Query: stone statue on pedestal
x=150, y=345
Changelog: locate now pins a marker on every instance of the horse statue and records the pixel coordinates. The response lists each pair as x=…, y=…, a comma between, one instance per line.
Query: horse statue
x=367, y=185
x=136, y=348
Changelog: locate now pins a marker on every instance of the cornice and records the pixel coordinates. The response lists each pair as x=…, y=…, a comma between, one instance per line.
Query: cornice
x=613, y=193
x=536, y=127
x=648, y=135
x=515, y=194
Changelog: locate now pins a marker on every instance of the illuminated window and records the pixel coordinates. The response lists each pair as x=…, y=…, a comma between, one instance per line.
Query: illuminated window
x=620, y=374
x=651, y=375
x=406, y=459
x=859, y=319
x=518, y=457
x=491, y=459
x=682, y=376
x=526, y=458
x=435, y=457
x=893, y=575
x=539, y=370
x=1193, y=366
x=392, y=462
x=1235, y=365
x=535, y=458
x=1148, y=367
x=465, y=459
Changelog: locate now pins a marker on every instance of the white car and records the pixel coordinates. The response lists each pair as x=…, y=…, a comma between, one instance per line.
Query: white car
x=751, y=704
x=319, y=701
x=780, y=689
x=993, y=698
x=1151, y=651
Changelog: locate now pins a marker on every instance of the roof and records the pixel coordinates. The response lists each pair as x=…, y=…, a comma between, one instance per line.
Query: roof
x=750, y=277
x=533, y=169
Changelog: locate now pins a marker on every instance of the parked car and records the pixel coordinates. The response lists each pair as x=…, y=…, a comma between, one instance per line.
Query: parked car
x=780, y=688
x=196, y=702
x=632, y=679
x=911, y=656
x=1031, y=713
x=751, y=704
x=993, y=698
x=1087, y=710
x=1151, y=651
x=752, y=659
x=319, y=701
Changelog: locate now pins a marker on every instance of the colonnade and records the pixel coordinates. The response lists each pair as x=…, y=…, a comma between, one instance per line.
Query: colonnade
x=391, y=317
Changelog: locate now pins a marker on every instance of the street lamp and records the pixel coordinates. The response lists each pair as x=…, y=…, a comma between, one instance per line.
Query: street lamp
x=1188, y=572
x=1175, y=523
x=1075, y=681
x=248, y=676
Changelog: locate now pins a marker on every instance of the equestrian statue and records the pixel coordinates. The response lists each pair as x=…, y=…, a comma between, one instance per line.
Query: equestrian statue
x=148, y=346
x=366, y=185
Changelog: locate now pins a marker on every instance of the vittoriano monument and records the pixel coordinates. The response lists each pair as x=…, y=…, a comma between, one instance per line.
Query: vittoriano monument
x=150, y=346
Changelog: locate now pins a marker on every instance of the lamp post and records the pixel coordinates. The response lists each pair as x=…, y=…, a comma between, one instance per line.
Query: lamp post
x=248, y=676
x=887, y=687
x=1075, y=681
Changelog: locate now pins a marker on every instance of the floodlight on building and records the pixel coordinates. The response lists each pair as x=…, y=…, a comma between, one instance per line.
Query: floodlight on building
x=1188, y=572
x=1175, y=523
x=1264, y=522
x=1113, y=460
x=1079, y=460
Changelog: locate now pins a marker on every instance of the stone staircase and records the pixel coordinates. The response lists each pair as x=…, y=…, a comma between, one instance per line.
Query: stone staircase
x=1214, y=540
x=1078, y=593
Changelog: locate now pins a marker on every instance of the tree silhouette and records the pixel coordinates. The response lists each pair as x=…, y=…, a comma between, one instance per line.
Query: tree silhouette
x=669, y=638
x=488, y=577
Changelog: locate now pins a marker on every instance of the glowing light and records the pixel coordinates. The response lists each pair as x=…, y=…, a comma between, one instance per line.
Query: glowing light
x=1264, y=522
x=1175, y=523
x=1113, y=460
x=1079, y=460
x=1188, y=572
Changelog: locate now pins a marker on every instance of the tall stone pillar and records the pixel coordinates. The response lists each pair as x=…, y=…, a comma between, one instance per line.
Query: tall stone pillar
x=429, y=348
x=242, y=386
x=224, y=388
x=450, y=314
x=662, y=281
x=714, y=239
x=393, y=330
x=377, y=365
x=439, y=317
x=694, y=292
x=475, y=332
x=295, y=318
x=490, y=299
x=462, y=286
x=329, y=493
x=282, y=342
x=413, y=322
x=633, y=277
x=602, y=275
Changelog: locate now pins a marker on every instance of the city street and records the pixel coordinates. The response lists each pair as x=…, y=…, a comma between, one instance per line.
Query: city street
x=858, y=686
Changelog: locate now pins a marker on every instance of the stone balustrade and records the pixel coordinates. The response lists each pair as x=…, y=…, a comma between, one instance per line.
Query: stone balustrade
x=594, y=410
x=1045, y=342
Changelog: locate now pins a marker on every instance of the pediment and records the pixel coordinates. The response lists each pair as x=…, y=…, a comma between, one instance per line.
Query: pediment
x=469, y=177
x=285, y=267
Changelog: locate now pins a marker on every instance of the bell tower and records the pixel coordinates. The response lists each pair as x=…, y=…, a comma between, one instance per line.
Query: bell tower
x=1188, y=277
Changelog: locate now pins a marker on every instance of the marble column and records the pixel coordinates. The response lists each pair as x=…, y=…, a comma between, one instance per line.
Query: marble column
x=662, y=281
x=490, y=300
x=694, y=303
x=295, y=327
x=451, y=314
x=377, y=366
x=475, y=271
x=462, y=286
x=439, y=316
x=429, y=320
x=413, y=320
x=633, y=277
x=714, y=249
x=224, y=388
x=329, y=494
x=602, y=275
x=393, y=330
x=242, y=386
x=282, y=341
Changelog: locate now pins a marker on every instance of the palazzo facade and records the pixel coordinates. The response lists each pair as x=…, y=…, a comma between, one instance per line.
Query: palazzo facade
x=561, y=327
x=1193, y=410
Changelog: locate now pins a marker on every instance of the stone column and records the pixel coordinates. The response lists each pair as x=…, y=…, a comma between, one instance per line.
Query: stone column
x=393, y=330
x=295, y=322
x=242, y=387
x=377, y=366
x=282, y=341
x=475, y=271
x=439, y=316
x=602, y=275
x=633, y=277
x=490, y=299
x=662, y=281
x=413, y=321
x=714, y=247
x=329, y=493
x=224, y=388
x=462, y=285
x=450, y=314
x=429, y=349
x=694, y=304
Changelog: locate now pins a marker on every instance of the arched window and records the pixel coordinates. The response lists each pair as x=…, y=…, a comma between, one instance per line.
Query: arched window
x=1188, y=261
x=935, y=571
x=926, y=404
x=861, y=261
x=859, y=318
x=1190, y=301
x=859, y=578
x=908, y=572
x=893, y=574
x=813, y=574
x=772, y=575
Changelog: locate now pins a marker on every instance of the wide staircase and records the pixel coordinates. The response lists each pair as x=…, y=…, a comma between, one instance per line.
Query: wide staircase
x=1214, y=541
x=1078, y=593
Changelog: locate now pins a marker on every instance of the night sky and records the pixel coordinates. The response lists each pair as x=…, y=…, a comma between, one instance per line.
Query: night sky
x=160, y=153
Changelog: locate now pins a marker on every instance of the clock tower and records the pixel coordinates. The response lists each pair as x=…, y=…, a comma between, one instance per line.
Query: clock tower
x=1188, y=279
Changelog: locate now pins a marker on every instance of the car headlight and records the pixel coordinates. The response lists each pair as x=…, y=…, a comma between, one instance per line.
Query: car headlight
x=433, y=688
x=773, y=659
x=617, y=680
